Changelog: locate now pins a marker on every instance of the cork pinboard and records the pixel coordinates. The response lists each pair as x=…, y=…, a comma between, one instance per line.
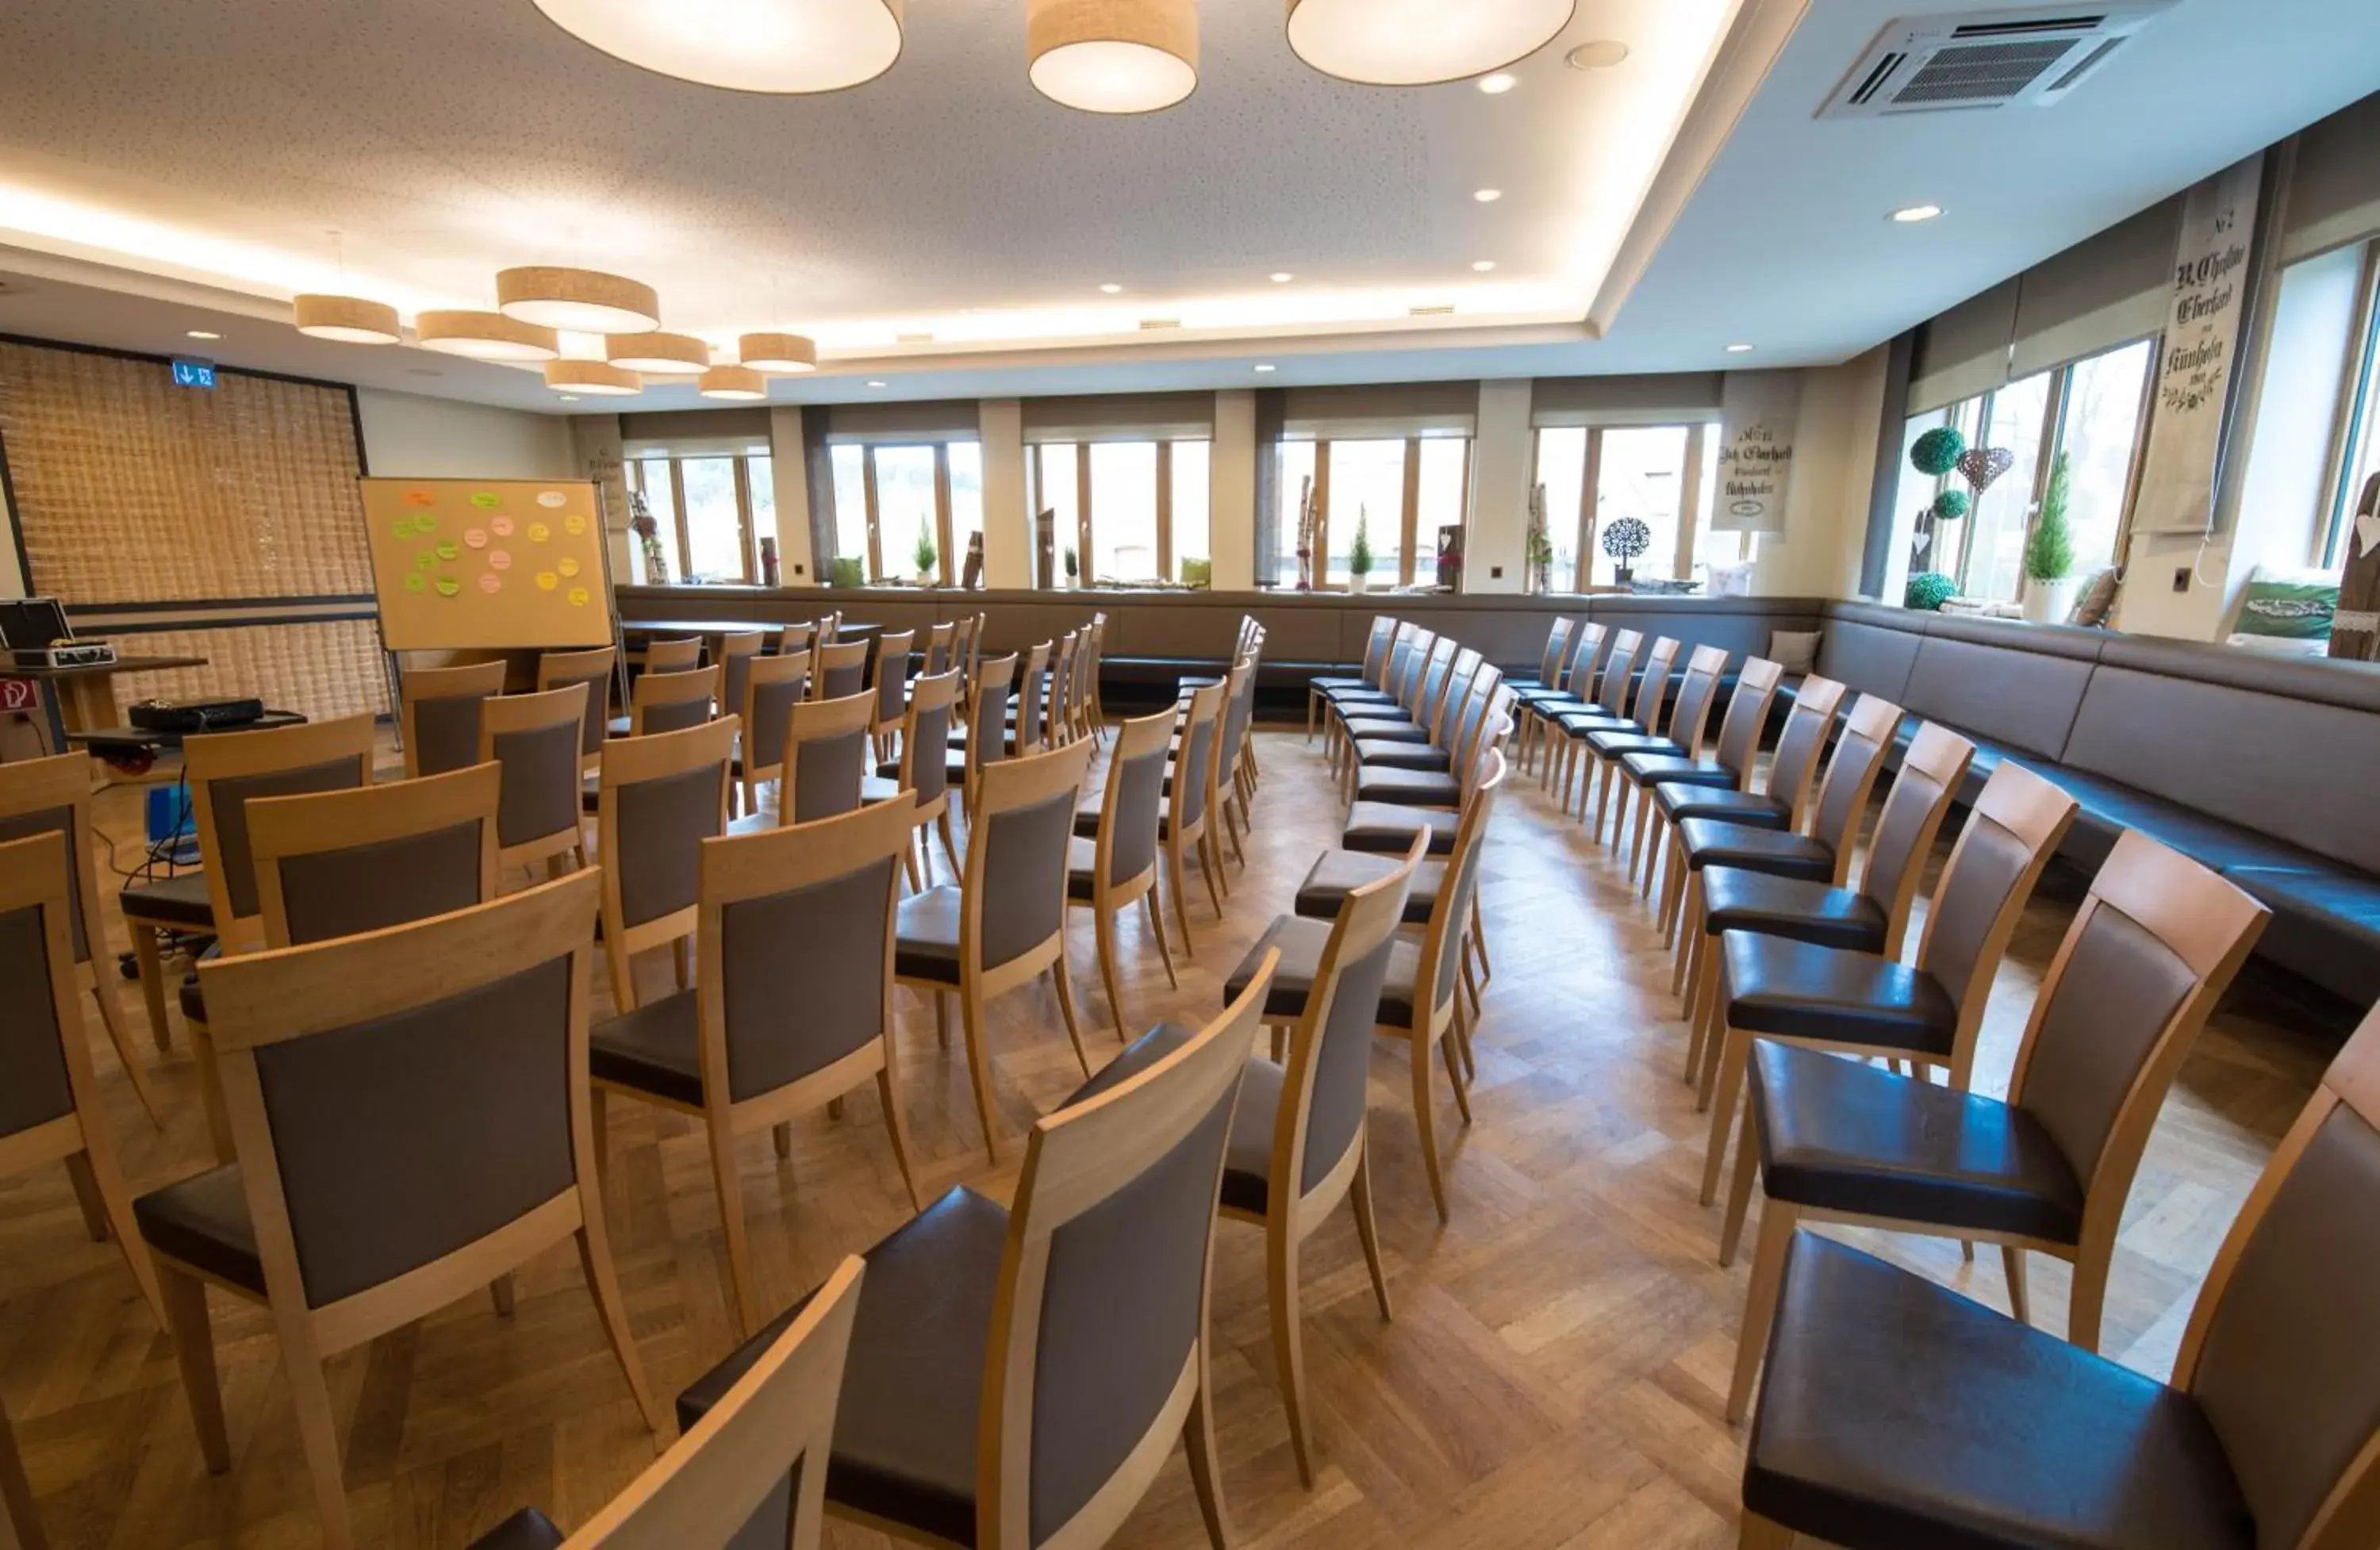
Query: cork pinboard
x=489, y=564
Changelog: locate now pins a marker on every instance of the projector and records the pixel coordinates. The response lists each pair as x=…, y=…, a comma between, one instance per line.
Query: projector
x=73, y=653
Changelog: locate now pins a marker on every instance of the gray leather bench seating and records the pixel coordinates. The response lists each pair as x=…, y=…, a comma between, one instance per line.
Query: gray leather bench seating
x=2264, y=768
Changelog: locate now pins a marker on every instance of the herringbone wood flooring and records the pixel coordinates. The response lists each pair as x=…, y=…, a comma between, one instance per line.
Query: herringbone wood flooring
x=1554, y=1376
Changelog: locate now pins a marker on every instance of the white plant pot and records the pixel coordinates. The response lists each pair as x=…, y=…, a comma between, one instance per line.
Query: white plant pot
x=1359, y=582
x=2050, y=602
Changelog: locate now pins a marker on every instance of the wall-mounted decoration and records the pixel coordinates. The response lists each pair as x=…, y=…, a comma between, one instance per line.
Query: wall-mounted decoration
x=467, y=604
x=2178, y=471
x=1758, y=414
x=1936, y=452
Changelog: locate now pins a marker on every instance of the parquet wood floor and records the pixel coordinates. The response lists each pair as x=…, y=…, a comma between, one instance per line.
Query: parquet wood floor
x=1554, y=1376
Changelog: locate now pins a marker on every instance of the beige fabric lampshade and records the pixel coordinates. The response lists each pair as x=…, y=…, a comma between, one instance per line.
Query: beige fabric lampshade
x=1112, y=55
x=595, y=377
x=777, y=352
x=585, y=300
x=740, y=383
x=1421, y=42
x=662, y=354
x=753, y=45
x=350, y=320
x=484, y=336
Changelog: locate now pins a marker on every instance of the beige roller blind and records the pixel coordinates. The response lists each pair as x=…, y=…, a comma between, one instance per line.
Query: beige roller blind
x=1379, y=410
x=2108, y=290
x=1964, y=351
x=1121, y=417
x=933, y=420
x=1664, y=398
x=2334, y=184
x=695, y=432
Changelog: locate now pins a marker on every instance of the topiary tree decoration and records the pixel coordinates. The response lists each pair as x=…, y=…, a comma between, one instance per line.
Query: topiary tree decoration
x=1625, y=540
x=927, y=554
x=1953, y=505
x=1928, y=590
x=1936, y=452
x=1359, y=553
x=2049, y=548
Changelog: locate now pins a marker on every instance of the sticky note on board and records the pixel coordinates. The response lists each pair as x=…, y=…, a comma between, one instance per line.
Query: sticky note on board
x=487, y=502
x=567, y=567
x=448, y=550
x=424, y=560
x=491, y=583
x=425, y=525
x=578, y=596
x=477, y=538
x=416, y=582
x=552, y=499
x=447, y=587
x=419, y=497
x=539, y=532
x=500, y=558
x=547, y=581
x=500, y=526
x=574, y=525
x=402, y=529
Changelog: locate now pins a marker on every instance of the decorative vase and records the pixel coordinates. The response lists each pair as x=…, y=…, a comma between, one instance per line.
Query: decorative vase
x=1624, y=575
x=2050, y=602
x=1358, y=583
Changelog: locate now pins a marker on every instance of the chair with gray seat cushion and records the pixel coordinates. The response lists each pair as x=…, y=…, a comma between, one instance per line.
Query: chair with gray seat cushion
x=772, y=687
x=1393, y=739
x=439, y=714
x=750, y=1473
x=411, y=1117
x=1609, y=709
x=1689, y=727
x=1707, y=824
x=1897, y=1412
x=1865, y=1004
x=1106, y=873
x=792, y=1009
x=890, y=684
x=826, y=759
x=981, y=739
x=1004, y=925
x=2155, y=945
x=534, y=739
x=596, y=669
x=1378, y=643
x=1413, y=698
x=838, y=670
x=1727, y=765
x=1486, y=721
x=1572, y=690
x=660, y=796
x=672, y=701
x=922, y=770
x=1298, y=1140
x=1597, y=739
x=1016, y=1376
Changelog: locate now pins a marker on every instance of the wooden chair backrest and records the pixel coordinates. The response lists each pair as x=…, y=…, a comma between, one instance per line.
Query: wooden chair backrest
x=838, y=670
x=737, y=652
x=347, y=862
x=796, y=637
x=771, y=689
x=439, y=714
x=1032, y=697
x=1019, y=819
x=1690, y=715
x=1867, y=737
x=535, y=739
x=1161, y=1134
x=677, y=654
x=1653, y=686
x=1556, y=651
x=43, y=1049
x=1585, y=654
x=649, y=883
x=938, y=639
x=926, y=734
x=1194, y=767
x=1618, y=670
x=1932, y=769
x=595, y=667
x=2009, y=836
x=1793, y=772
x=1747, y=717
x=229, y=768
x=892, y=676
x=53, y=795
x=1450, y=915
x=992, y=691
x=826, y=759
x=1378, y=641
x=672, y=700
x=1135, y=799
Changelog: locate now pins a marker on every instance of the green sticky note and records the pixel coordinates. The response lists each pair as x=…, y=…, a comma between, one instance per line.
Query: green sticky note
x=416, y=582
x=486, y=501
x=402, y=527
x=448, y=586
x=424, y=560
x=425, y=525
x=448, y=550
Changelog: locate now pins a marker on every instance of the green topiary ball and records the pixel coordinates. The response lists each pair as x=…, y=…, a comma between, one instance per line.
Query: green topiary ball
x=1953, y=505
x=1936, y=452
x=1928, y=590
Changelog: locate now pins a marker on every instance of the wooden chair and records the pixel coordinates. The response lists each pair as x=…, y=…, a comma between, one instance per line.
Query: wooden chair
x=1188, y=829
x=228, y=771
x=1412, y=699
x=439, y=715
x=1895, y=1411
x=1762, y=882
x=772, y=687
x=672, y=701
x=983, y=740
x=792, y=1008
x=1596, y=741
x=839, y=672
x=1549, y=660
x=410, y=1117
x=1105, y=874
x=1728, y=767
x=1377, y=642
x=341, y=863
x=535, y=739
x=891, y=687
x=1488, y=708
x=20, y=1524
x=1065, y=1339
x=1095, y=710
x=1572, y=690
x=1863, y=1004
x=658, y=798
x=1370, y=733
x=939, y=641
x=922, y=770
x=2155, y=945
x=596, y=669
x=1388, y=827
x=1023, y=732
x=1689, y=731
x=1610, y=708
x=737, y=652
x=830, y=629
x=1005, y=925
x=50, y=1104
x=1236, y=781
x=825, y=759
x=1058, y=720
x=53, y=796
x=751, y=1472
x=675, y=654
x=791, y=638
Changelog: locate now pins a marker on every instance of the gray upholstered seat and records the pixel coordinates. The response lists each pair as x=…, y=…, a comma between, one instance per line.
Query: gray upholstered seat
x=180, y=900
x=1301, y=943
x=1336, y=874
x=203, y=1222
x=1377, y=827
x=656, y=1048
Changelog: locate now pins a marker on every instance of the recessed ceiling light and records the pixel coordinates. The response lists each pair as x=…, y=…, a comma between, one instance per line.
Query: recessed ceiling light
x=1484, y=265
x=1599, y=55
x=1264, y=366
x=1909, y=215
x=1112, y=288
x=1499, y=83
x=570, y=399
x=204, y=333
x=1488, y=195
x=1737, y=349
x=1283, y=277
x=879, y=384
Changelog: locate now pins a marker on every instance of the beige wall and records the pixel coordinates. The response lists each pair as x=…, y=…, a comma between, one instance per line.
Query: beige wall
x=12, y=577
x=1496, y=536
x=1231, y=490
x=407, y=436
x=1007, y=524
x=789, y=482
x=1834, y=467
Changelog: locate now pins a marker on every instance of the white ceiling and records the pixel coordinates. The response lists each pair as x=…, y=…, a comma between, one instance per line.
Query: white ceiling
x=444, y=140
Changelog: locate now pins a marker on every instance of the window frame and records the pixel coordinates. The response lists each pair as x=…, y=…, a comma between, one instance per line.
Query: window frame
x=1408, y=518
x=1086, y=516
x=748, y=543
x=1690, y=492
x=2355, y=425
x=945, y=516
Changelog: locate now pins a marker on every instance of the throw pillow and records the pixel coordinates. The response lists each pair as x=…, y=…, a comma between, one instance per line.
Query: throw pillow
x=1794, y=650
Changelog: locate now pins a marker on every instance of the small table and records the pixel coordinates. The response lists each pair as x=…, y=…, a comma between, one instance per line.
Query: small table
x=82, y=699
x=637, y=631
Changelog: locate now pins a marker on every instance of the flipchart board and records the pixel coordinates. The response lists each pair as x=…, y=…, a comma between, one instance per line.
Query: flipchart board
x=507, y=564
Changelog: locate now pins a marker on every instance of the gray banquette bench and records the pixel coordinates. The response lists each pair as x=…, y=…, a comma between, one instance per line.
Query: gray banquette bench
x=2266, y=769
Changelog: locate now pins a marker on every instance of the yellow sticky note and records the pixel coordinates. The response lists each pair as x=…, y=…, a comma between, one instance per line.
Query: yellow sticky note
x=402, y=529
x=567, y=567
x=578, y=596
x=574, y=525
x=539, y=532
x=547, y=581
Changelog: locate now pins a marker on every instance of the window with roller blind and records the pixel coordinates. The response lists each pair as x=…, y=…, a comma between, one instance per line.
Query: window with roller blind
x=887, y=494
x=1665, y=476
x=708, y=512
x=1135, y=512
x=1400, y=491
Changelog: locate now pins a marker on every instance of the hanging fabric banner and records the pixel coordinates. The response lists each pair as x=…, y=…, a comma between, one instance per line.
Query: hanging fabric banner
x=1757, y=413
x=2202, y=338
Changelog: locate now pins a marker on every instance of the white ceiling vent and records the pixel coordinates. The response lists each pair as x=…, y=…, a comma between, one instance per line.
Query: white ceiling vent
x=1986, y=59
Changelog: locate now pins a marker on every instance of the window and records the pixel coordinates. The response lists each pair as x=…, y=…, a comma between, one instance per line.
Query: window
x=1135, y=510
x=885, y=497
x=1401, y=489
x=2358, y=433
x=1664, y=475
x=2092, y=410
x=709, y=512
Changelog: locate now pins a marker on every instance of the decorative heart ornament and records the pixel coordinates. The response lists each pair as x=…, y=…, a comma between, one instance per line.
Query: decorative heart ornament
x=1980, y=466
x=2367, y=532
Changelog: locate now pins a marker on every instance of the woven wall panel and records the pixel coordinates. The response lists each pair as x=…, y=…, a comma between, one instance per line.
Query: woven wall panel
x=323, y=670
x=129, y=488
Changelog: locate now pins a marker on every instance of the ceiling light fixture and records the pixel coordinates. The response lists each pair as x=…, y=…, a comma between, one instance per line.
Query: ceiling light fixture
x=1737, y=349
x=661, y=354
x=204, y=333
x=1499, y=83
x=595, y=377
x=1488, y=195
x=1483, y=266
x=879, y=384
x=350, y=320
x=1111, y=288
x=1600, y=56
x=1421, y=42
x=736, y=383
x=1116, y=56
x=583, y=299
x=1909, y=215
x=778, y=352
x=484, y=336
x=744, y=46
x=1265, y=365
x=1283, y=277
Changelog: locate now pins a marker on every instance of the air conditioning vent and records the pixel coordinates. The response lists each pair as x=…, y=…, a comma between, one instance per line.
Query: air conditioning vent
x=1439, y=310
x=1150, y=325
x=913, y=339
x=1940, y=64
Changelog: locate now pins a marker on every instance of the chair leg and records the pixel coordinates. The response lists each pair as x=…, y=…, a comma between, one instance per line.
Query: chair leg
x=1735, y=1053
x=1211, y=866
x=1198, y=1443
x=942, y=1019
x=1759, y=1533
x=1058, y=979
x=1705, y=968
x=111, y=1015
x=202, y=1051
x=1446, y=1048
x=1426, y=1124
x=1288, y=1348
x=86, y=1196
x=2019, y=1294
x=500, y=1294
x=949, y=847
x=185, y=1298
x=888, y=1093
x=1777, y=1222
x=1104, y=926
x=1638, y=852
x=681, y=949
x=1359, y=1199
x=724, y=1174
x=2087, y=1304
x=1176, y=860
x=1687, y=928
x=979, y=1066
x=623, y=972
x=20, y=1521
x=95, y=1169
x=1157, y=929
x=1479, y=938
x=1604, y=782
x=1739, y=1193
x=603, y=1282
x=151, y=964
x=318, y=1437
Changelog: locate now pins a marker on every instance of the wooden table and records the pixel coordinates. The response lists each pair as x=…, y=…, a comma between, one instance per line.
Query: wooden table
x=82, y=699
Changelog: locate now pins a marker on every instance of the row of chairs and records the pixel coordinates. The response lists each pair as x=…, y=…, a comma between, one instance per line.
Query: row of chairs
x=1794, y=981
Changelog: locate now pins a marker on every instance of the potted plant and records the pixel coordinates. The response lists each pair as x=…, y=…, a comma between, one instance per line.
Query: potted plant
x=1928, y=591
x=1625, y=540
x=1198, y=573
x=1074, y=569
x=928, y=557
x=1359, y=553
x=844, y=572
x=2050, y=552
